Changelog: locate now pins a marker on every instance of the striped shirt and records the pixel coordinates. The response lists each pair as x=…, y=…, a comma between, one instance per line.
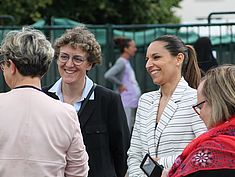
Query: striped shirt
x=178, y=125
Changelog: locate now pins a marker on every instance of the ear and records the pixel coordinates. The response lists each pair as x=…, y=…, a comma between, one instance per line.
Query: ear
x=12, y=67
x=57, y=62
x=179, y=59
x=88, y=66
x=125, y=49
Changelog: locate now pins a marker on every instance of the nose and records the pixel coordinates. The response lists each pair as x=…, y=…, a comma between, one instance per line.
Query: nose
x=70, y=62
x=148, y=63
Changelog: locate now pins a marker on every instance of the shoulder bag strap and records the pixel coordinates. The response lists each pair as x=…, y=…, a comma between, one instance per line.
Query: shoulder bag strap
x=86, y=99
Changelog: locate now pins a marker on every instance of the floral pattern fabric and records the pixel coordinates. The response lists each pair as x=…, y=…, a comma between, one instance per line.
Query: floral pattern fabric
x=212, y=150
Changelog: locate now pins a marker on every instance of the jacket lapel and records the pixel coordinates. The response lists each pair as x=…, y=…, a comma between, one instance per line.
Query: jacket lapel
x=151, y=123
x=87, y=113
x=168, y=112
x=171, y=107
x=166, y=116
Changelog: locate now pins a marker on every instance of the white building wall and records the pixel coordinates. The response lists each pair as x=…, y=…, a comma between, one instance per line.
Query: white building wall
x=197, y=11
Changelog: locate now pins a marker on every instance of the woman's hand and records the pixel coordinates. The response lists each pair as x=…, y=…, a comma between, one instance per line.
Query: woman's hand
x=156, y=158
x=121, y=88
x=165, y=171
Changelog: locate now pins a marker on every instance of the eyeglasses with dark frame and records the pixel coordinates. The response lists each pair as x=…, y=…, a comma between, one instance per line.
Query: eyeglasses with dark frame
x=197, y=108
x=77, y=59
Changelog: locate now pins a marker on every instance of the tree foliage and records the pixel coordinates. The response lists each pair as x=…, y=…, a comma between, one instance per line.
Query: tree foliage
x=93, y=12
x=24, y=11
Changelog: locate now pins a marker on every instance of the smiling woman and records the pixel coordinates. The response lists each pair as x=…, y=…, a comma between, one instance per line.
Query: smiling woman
x=100, y=110
x=73, y=69
x=165, y=120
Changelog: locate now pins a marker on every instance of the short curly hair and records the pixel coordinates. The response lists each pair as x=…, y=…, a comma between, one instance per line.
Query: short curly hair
x=80, y=37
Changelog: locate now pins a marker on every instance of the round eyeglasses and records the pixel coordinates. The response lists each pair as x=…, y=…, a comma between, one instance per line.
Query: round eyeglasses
x=77, y=59
x=197, y=108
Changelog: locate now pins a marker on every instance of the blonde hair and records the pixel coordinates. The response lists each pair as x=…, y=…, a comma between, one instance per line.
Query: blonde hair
x=219, y=91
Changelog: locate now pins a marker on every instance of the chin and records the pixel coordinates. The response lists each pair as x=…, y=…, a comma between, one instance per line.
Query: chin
x=156, y=82
x=68, y=81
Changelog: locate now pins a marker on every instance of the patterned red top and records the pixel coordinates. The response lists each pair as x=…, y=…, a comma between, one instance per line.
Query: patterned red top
x=212, y=150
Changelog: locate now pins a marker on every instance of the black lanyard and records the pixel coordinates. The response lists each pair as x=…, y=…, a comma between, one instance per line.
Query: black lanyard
x=86, y=100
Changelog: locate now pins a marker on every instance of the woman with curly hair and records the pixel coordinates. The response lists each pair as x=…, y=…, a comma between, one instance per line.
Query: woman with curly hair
x=100, y=110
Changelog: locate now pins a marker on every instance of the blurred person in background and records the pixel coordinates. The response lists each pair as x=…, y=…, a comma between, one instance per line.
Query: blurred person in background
x=122, y=75
x=205, y=57
x=100, y=110
x=165, y=121
x=213, y=153
x=39, y=136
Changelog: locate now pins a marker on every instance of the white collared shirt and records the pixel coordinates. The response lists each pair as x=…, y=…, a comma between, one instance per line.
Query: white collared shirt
x=56, y=88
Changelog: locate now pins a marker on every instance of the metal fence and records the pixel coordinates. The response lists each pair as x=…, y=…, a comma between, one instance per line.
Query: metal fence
x=222, y=36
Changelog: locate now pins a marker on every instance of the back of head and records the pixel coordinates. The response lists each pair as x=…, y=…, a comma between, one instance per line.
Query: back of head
x=219, y=91
x=122, y=43
x=190, y=69
x=203, y=48
x=29, y=50
x=80, y=37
